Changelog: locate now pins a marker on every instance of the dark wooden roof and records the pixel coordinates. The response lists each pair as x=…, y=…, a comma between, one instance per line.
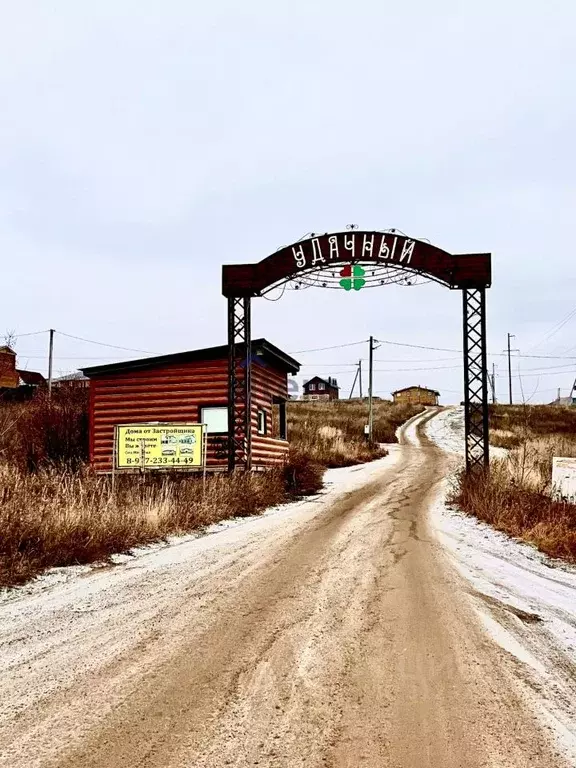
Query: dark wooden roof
x=31, y=378
x=325, y=381
x=260, y=348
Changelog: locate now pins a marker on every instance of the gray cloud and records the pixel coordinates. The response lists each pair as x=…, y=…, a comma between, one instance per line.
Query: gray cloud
x=143, y=145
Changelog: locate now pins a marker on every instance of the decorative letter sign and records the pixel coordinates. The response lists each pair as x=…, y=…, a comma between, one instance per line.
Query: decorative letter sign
x=338, y=249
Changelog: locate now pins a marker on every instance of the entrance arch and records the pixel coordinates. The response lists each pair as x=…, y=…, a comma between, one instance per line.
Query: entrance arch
x=376, y=259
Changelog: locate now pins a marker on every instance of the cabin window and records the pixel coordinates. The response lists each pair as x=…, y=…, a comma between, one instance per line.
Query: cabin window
x=215, y=418
x=311, y=387
x=321, y=386
x=279, y=429
x=262, y=421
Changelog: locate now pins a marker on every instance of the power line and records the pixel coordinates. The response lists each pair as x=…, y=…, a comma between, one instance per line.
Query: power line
x=322, y=349
x=102, y=344
x=559, y=368
x=380, y=360
x=326, y=365
x=557, y=327
x=551, y=367
x=81, y=357
x=439, y=368
x=548, y=373
x=491, y=354
x=417, y=346
x=429, y=360
x=32, y=333
x=533, y=357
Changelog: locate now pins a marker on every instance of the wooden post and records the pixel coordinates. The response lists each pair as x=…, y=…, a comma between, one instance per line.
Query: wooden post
x=50, y=358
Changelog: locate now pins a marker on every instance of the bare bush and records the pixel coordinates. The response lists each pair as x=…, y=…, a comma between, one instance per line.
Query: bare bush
x=519, y=511
x=46, y=433
x=516, y=496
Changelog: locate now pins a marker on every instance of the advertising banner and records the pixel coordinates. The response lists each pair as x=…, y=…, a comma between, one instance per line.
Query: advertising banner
x=160, y=446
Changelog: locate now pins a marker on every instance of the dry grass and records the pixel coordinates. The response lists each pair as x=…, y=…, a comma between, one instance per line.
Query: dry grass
x=517, y=495
x=533, y=420
x=504, y=438
x=533, y=434
x=332, y=433
x=55, y=512
x=519, y=511
x=46, y=433
x=55, y=518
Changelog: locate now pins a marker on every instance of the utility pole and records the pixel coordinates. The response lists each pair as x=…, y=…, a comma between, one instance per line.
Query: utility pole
x=50, y=358
x=370, y=390
x=353, y=384
x=510, y=336
x=493, y=383
x=360, y=372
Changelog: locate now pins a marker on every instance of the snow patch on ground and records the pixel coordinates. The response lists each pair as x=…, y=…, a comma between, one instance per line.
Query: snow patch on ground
x=447, y=430
x=527, y=601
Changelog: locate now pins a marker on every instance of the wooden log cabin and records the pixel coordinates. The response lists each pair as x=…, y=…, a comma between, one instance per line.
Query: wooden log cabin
x=416, y=396
x=191, y=387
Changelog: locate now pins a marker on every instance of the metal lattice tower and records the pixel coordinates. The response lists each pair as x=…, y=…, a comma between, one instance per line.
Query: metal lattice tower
x=239, y=384
x=475, y=378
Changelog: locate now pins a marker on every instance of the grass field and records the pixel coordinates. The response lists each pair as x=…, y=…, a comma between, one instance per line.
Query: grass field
x=54, y=511
x=332, y=433
x=516, y=496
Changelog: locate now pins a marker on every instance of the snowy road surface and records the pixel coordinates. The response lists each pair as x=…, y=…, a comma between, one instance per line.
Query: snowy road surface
x=340, y=631
x=526, y=600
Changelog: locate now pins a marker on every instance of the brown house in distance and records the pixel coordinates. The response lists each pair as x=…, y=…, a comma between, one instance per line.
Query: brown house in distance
x=321, y=389
x=416, y=395
x=191, y=387
x=12, y=377
x=71, y=381
x=8, y=372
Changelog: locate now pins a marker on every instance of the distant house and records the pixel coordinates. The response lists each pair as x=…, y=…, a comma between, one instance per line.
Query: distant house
x=8, y=372
x=72, y=381
x=30, y=379
x=416, y=395
x=564, y=401
x=321, y=389
x=570, y=400
x=12, y=377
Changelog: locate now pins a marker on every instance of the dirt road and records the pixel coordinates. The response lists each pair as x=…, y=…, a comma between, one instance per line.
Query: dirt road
x=335, y=634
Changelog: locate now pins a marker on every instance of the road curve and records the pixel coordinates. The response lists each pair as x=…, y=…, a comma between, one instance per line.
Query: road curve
x=340, y=638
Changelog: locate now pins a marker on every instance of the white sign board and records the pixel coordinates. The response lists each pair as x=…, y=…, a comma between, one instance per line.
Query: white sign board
x=564, y=477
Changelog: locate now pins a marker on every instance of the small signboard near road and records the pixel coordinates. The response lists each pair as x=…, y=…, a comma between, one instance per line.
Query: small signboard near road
x=564, y=477
x=160, y=446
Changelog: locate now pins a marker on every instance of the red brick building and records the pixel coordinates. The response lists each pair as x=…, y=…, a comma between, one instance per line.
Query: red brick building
x=8, y=373
x=191, y=387
x=12, y=377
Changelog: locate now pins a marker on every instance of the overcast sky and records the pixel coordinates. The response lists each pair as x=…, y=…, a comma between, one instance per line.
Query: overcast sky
x=144, y=144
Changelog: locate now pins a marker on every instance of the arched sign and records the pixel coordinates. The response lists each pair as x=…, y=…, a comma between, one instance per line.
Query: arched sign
x=384, y=249
x=369, y=259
